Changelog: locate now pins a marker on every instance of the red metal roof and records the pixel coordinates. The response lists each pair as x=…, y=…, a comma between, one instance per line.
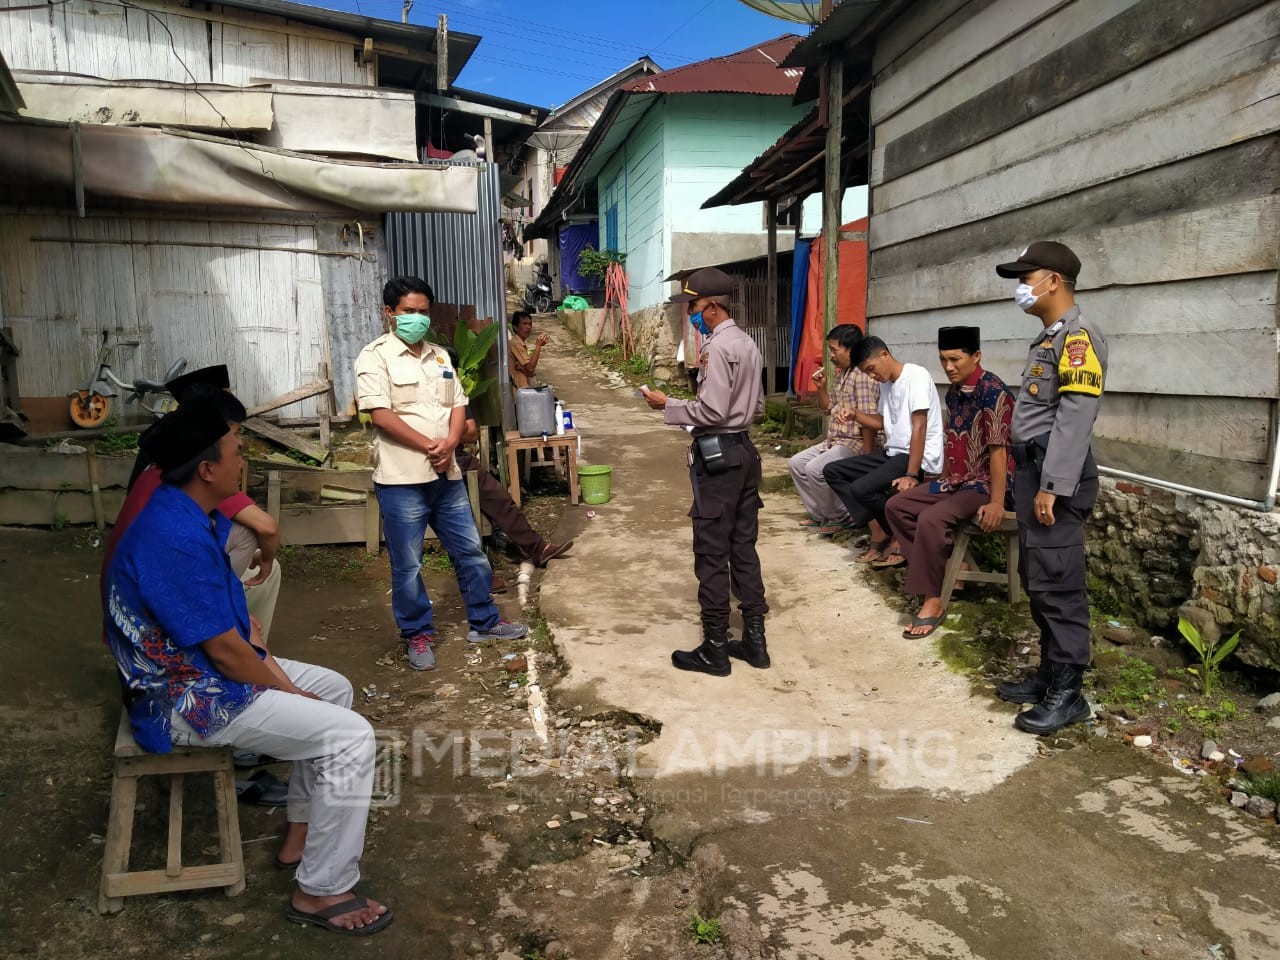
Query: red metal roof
x=753, y=70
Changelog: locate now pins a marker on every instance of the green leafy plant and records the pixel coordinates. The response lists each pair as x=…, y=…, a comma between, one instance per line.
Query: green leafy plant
x=471, y=350
x=114, y=443
x=596, y=263
x=437, y=560
x=1207, y=718
x=1131, y=684
x=1211, y=654
x=705, y=929
x=1262, y=785
x=60, y=521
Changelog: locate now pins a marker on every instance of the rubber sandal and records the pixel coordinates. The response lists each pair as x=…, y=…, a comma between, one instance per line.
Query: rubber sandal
x=810, y=522
x=878, y=547
x=889, y=562
x=324, y=918
x=931, y=622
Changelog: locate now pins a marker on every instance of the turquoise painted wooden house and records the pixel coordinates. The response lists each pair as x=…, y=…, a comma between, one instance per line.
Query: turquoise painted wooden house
x=665, y=143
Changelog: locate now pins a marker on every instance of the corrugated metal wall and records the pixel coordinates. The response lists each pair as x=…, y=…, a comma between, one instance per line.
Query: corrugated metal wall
x=458, y=254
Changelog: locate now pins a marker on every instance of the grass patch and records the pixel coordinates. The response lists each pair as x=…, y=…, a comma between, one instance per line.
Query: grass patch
x=326, y=563
x=1127, y=682
x=1207, y=718
x=705, y=929
x=1261, y=785
x=435, y=560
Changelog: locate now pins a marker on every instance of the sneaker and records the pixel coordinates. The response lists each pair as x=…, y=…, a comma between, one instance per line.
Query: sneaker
x=419, y=649
x=502, y=630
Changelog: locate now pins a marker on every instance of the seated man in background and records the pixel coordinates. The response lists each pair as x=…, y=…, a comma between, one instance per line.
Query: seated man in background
x=195, y=671
x=974, y=479
x=497, y=505
x=851, y=390
x=911, y=418
x=523, y=363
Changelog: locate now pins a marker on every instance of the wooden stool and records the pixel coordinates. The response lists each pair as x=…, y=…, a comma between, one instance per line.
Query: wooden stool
x=132, y=763
x=960, y=553
x=563, y=447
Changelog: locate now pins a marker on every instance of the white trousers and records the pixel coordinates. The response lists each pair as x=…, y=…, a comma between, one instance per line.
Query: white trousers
x=806, y=471
x=332, y=749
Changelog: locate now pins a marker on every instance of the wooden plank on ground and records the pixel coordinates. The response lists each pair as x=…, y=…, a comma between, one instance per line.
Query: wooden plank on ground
x=1233, y=50
x=313, y=389
x=337, y=523
x=46, y=508
x=286, y=438
x=1219, y=240
x=1235, y=111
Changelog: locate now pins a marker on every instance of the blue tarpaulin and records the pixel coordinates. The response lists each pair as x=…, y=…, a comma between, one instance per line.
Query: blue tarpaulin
x=799, y=294
x=572, y=240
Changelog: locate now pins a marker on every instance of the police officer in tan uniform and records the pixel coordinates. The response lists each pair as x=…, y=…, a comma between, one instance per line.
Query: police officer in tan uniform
x=1055, y=480
x=724, y=469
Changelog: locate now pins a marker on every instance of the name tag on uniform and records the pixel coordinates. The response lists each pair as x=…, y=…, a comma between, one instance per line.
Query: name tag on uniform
x=448, y=374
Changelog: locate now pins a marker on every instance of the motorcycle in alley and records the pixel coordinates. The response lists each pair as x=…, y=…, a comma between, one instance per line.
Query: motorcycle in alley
x=537, y=295
x=91, y=403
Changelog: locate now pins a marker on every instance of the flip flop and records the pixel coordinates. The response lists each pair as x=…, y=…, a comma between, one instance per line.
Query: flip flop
x=324, y=918
x=889, y=562
x=931, y=622
x=877, y=547
x=810, y=522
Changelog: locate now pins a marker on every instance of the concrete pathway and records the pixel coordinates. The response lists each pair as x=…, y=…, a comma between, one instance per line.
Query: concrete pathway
x=858, y=799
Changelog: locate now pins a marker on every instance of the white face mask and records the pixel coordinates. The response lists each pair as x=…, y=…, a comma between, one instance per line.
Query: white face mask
x=1024, y=295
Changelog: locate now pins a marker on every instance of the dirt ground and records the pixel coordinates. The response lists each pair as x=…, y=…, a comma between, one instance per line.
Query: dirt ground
x=588, y=804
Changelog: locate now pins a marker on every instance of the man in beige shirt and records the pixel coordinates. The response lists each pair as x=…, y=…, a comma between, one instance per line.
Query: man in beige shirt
x=724, y=469
x=418, y=407
x=523, y=363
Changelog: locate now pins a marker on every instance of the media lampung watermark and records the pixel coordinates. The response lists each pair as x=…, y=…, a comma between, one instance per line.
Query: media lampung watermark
x=521, y=755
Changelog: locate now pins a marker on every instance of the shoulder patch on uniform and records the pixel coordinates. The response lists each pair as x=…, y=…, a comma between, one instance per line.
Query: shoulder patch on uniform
x=1079, y=370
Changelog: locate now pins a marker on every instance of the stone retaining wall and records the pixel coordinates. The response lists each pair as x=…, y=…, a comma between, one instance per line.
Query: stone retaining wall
x=1160, y=554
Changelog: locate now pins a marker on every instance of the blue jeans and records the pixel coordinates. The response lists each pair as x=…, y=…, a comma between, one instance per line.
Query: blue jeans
x=407, y=509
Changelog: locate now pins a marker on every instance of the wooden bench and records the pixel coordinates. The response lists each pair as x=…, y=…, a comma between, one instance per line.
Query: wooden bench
x=564, y=452
x=133, y=763
x=961, y=553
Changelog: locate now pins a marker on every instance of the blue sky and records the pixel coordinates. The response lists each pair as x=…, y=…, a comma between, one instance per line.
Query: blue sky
x=547, y=52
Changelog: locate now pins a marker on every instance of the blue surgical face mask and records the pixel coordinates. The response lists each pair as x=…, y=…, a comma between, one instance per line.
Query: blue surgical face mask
x=412, y=327
x=696, y=321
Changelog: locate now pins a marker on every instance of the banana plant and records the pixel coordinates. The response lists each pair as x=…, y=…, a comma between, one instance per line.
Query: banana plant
x=473, y=349
x=1211, y=654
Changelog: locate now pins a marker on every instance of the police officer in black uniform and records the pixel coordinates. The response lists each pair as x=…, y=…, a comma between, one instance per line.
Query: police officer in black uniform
x=1055, y=481
x=724, y=470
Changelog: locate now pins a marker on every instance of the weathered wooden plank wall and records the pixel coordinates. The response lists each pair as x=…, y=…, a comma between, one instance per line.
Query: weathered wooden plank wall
x=1143, y=133
x=250, y=295
x=105, y=38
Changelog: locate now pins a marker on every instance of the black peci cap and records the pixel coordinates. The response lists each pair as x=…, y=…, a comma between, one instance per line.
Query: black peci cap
x=183, y=435
x=968, y=339
x=215, y=376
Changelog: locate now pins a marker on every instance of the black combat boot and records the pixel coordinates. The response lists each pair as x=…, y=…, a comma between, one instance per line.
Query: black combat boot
x=1031, y=688
x=1063, y=703
x=751, y=647
x=711, y=657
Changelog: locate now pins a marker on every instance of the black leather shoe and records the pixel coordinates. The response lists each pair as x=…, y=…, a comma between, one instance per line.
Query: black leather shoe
x=1063, y=703
x=712, y=657
x=1031, y=688
x=751, y=647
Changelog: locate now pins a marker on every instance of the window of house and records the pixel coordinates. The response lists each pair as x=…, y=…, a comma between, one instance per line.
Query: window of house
x=788, y=215
x=611, y=228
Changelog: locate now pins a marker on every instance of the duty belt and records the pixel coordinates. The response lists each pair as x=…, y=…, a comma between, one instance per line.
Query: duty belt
x=1029, y=454
x=739, y=437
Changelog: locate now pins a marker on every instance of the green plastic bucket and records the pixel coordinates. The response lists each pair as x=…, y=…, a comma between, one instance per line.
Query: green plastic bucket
x=595, y=482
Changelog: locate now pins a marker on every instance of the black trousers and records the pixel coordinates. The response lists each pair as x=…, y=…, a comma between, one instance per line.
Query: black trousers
x=1052, y=563
x=497, y=505
x=725, y=516
x=862, y=484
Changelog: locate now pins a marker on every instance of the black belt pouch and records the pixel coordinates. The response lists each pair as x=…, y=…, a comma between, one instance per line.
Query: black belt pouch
x=711, y=453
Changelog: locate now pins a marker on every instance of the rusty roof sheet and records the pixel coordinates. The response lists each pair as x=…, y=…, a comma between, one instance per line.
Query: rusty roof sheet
x=757, y=69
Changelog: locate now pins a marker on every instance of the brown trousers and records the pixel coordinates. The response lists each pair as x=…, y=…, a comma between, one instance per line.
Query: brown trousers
x=924, y=524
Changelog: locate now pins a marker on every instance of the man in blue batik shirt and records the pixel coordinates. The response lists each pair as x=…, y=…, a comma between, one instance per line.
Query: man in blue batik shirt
x=196, y=672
